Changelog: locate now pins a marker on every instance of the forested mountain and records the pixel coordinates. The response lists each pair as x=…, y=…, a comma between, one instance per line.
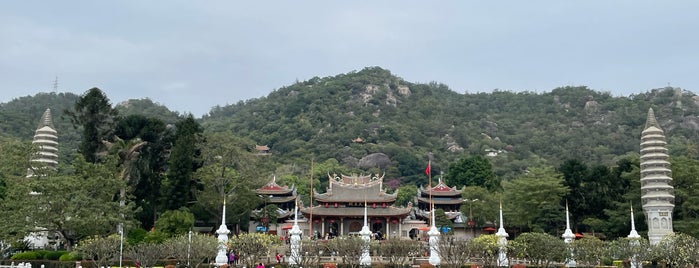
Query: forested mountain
x=350, y=116
x=321, y=117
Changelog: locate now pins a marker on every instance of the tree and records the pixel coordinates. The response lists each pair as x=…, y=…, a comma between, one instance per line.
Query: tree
x=539, y=190
x=406, y=193
x=636, y=250
x=145, y=254
x=453, y=252
x=14, y=189
x=73, y=206
x=198, y=250
x=479, y=203
x=486, y=248
x=143, y=145
x=472, y=171
x=185, y=159
x=541, y=249
x=399, y=252
x=589, y=251
x=227, y=167
x=175, y=222
x=101, y=251
x=685, y=177
x=349, y=248
x=310, y=253
x=677, y=250
x=94, y=114
x=252, y=246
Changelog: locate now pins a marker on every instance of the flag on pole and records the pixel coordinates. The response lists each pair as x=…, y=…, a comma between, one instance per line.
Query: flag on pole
x=428, y=169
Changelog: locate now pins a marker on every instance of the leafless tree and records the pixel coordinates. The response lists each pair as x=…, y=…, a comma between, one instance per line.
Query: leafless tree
x=399, y=252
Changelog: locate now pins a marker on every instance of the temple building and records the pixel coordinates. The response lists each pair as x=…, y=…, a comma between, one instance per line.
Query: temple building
x=340, y=210
x=657, y=195
x=283, y=197
x=46, y=140
x=443, y=197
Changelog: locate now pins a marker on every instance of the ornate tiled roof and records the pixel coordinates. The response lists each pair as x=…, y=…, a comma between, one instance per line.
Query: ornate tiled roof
x=272, y=188
x=389, y=211
x=355, y=189
x=440, y=189
x=441, y=200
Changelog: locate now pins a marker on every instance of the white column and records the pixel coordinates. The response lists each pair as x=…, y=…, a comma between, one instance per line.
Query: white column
x=568, y=237
x=502, y=243
x=221, y=256
x=295, y=241
x=434, y=243
x=365, y=259
x=634, y=237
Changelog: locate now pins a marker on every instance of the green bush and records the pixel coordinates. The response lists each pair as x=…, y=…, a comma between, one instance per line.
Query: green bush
x=54, y=255
x=26, y=256
x=70, y=256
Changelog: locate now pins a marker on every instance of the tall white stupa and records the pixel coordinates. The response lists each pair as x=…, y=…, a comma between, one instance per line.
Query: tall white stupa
x=46, y=140
x=656, y=192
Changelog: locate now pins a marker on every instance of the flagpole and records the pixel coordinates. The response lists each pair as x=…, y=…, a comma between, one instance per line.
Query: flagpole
x=429, y=184
x=310, y=219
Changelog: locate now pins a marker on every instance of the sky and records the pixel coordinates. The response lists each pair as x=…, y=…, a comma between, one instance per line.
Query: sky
x=194, y=55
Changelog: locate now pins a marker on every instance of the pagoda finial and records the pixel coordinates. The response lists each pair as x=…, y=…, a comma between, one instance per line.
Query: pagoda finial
x=651, y=121
x=633, y=233
x=567, y=216
x=46, y=120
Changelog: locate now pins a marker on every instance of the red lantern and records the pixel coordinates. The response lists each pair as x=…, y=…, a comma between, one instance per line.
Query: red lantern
x=326, y=205
x=373, y=205
x=316, y=220
x=383, y=205
x=394, y=221
x=335, y=204
x=377, y=221
x=332, y=220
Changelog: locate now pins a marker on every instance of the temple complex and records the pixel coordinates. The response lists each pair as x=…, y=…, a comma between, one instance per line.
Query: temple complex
x=656, y=192
x=340, y=210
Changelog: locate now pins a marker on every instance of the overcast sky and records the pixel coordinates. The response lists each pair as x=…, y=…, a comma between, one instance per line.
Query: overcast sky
x=193, y=55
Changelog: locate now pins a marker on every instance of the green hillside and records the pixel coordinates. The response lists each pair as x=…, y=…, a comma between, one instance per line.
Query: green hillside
x=409, y=122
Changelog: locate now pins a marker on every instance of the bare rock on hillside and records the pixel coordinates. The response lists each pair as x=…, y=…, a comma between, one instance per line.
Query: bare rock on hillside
x=379, y=160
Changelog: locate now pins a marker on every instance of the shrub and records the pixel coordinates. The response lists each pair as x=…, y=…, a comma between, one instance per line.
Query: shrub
x=70, y=256
x=26, y=256
x=54, y=255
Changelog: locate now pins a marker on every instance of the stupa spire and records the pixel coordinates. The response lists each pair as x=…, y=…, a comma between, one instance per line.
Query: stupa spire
x=650, y=120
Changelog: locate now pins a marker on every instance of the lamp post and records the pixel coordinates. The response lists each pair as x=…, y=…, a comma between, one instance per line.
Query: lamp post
x=121, y=244
x=189, y=247
x=470, y=222
x=265, y=218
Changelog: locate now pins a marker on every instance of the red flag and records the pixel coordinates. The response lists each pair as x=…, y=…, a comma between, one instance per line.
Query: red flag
x=428, y=169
